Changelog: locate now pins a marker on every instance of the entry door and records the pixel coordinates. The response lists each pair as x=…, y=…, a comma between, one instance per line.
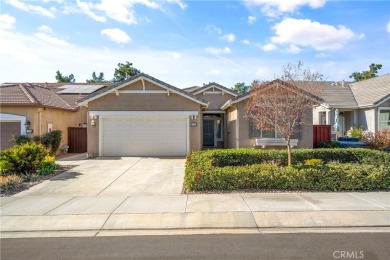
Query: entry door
x=208, y=132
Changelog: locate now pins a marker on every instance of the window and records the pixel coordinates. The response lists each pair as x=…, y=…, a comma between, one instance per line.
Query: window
x=256, y=133
x=219, y=128
x=323, y=118
x=384, y=118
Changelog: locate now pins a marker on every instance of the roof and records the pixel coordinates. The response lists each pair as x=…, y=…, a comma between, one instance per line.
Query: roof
x=372, y=92
x=246, y=95
x=212, y=84
x=111, y=88
x=191, y=89
x=36, y=95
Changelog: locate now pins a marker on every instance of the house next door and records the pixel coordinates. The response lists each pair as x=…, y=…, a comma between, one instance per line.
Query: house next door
x=208, y=132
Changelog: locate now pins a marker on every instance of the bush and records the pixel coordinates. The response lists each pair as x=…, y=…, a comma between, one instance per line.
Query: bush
x=356, y=132
x=23, y=159
x=48, y=165
x=328, y=144
x=37, y=139
x=52, y=140
x=10, y=182
x=20, y=139
x=231, y=169
x=379, y=140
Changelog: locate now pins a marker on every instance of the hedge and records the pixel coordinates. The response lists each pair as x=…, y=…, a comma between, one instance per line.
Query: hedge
x=234, y=169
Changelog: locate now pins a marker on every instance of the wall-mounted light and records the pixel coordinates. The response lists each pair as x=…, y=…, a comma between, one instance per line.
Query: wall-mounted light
x=27, y=124
x=93, y=120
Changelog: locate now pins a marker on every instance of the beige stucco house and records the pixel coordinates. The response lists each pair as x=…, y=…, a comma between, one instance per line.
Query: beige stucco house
x=363, y=104
x=143, y=116
x=37, y=108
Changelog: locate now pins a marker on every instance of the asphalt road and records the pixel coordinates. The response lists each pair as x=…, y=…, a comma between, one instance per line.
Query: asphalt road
x=254, y=246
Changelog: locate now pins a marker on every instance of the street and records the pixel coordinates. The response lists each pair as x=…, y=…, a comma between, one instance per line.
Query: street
x=226, y=246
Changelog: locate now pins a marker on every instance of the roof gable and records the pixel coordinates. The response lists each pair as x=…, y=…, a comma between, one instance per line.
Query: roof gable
x=215, y=85
x=142, y=76
x=372, y=92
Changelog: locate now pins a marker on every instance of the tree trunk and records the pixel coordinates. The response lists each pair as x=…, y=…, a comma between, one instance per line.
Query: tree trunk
x=288, y=153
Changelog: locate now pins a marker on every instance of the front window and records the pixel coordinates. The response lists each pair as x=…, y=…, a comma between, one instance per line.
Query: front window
x=384, y=119
x=256, y=133
x=219, y=128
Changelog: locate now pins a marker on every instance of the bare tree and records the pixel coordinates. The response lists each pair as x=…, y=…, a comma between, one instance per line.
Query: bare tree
x=282, y=105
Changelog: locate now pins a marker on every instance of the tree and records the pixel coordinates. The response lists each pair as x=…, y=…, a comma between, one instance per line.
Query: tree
x=241, y=88
x=282, y=105
x=372, y=73
x=96, y=79
x=125, y=71
x=61, y=78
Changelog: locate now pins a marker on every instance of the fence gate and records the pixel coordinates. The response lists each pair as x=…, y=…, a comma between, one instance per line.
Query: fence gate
x=321, y=133
x=77, y=139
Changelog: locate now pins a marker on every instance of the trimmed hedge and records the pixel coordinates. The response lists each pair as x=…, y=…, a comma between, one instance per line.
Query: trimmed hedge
x=234, y=169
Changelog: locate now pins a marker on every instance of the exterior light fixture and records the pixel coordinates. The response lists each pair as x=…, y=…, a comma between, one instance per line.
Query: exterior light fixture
x=93, y=120
x=27, y=124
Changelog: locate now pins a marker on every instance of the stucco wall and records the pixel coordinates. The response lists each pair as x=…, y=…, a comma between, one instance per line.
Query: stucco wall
x=61, y=119
x=216, y=100
x=231, y=127
x=245, y=141
x=143, y=102
x=367, y=119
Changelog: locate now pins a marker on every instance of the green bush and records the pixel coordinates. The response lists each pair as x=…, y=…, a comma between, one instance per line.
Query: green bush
x=359, y=169
x=328, y=144
x=356, y=132
x=23, y=159
x=10, y=182
x=48, y=165
x=52, y=140
x=20, y=139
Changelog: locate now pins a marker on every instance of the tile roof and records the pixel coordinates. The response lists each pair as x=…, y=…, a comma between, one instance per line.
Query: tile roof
x=36, y=95
x=191, y=89
x=372, y=92
x=109, y=88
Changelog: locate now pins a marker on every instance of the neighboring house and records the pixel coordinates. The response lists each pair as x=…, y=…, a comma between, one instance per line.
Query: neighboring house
x=143, y=116
x=362, y=104
x=37, y=108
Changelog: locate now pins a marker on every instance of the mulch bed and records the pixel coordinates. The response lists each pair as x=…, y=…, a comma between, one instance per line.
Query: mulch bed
x=38, y=179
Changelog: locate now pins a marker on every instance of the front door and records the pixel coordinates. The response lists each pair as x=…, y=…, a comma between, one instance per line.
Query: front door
x=208, y=132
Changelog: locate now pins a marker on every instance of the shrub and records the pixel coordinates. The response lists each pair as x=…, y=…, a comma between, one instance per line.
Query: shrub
x=48, y=165
x=20, y=139
x=312, y=162
x=379, y=140
x=328, y=144
x=10, y=182
x=52, y=140
x=356, y=132
x=231, y=169
x=23, y=159
x=37, y=139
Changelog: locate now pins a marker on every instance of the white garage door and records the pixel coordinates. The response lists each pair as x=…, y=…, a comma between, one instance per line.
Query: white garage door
x=144, y=136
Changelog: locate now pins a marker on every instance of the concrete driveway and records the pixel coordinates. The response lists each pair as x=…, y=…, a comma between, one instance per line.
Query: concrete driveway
x=115, y=176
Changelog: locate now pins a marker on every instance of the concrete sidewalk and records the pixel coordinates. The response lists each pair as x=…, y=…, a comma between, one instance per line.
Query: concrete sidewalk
x=89, y=216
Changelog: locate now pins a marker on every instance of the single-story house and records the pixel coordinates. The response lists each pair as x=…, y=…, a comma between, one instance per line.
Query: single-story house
x=143, y=116
x=363, y=104
x=37, y=108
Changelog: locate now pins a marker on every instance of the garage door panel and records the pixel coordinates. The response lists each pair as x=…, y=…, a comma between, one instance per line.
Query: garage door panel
x=8, y=129
x=144, y=137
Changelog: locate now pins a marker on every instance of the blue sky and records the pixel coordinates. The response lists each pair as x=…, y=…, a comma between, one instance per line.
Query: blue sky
x=188, y=43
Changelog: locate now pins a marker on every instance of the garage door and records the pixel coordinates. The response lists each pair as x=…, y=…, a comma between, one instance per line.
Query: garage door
x=7, y=130
x=144, y=137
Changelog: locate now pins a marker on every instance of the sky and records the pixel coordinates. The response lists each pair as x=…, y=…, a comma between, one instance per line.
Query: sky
x=187, y=42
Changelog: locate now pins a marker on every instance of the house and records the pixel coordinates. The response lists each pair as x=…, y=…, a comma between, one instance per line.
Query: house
x=143, y=116
x=362, y=104
x=37, y=108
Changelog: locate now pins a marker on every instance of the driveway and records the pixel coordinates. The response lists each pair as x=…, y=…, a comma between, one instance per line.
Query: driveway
x=115, y=176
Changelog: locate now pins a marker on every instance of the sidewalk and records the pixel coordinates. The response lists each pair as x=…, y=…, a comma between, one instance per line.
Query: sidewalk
x=238, y=212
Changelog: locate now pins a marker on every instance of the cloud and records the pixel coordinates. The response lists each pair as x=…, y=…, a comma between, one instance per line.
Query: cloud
x=7, y=21
x=322, y=55
x=49, y=12
x=246, y=42
x=180, y=3
x=217, y=51
x=388, y=27
x=228, y=37
x=175, y=55
x=269, y=47
x=211, y=28
x=251, y=19
x=116, y=35
x=86, y=8
x=45, y=29
x=293, y=49
x=51, y=39
x=306, y=33
x=274, y=8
